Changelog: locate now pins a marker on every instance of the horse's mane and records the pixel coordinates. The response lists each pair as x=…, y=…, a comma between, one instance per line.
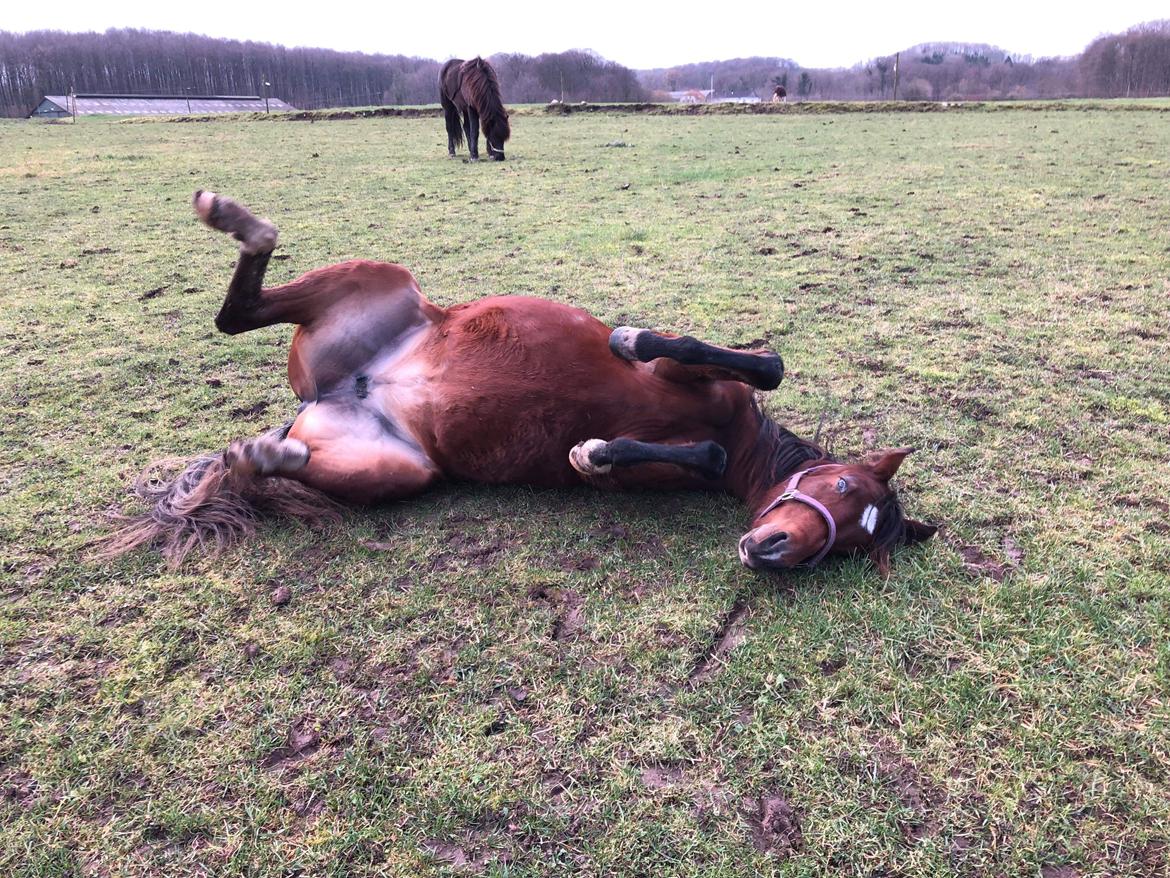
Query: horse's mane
x=483, y=92
x=891, y=523
x=779, y=452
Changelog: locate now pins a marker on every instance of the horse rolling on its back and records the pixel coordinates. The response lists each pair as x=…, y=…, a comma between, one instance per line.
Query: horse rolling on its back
x=398, y=393
x=470, y=89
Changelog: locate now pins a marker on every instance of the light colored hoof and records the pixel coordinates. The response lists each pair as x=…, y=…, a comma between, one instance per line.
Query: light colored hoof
x=203, y=202
x=580, y=458
x=623, y=340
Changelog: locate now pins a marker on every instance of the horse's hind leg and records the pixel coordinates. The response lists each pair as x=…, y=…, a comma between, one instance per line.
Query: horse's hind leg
x=473, y=133
x=598, y=457
x=687, y=359
x=451, y=119
x=269, y=455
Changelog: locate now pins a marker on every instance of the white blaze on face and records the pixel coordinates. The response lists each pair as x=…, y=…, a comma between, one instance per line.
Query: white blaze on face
x=869, y=518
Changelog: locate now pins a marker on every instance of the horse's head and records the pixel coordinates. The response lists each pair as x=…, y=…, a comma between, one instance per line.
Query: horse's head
x=496, y=131
x=832, y=508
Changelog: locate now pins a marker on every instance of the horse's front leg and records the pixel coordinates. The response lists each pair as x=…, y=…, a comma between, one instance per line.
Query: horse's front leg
x=596, y=457
x=242, y=307
x=686, y=359
x=473, y=133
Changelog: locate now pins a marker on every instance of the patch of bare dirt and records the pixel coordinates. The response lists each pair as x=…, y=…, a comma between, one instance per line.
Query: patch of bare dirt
x=831, y=666
x=980, y=564
x=301, y=742
x=731, y=633
x=570, y=608
x=19, y=787
x=251, y=411
x=657, y=777
x=469, y=854
x=775, y=826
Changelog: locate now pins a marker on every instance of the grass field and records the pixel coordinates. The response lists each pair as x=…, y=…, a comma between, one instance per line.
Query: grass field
x=525, y=682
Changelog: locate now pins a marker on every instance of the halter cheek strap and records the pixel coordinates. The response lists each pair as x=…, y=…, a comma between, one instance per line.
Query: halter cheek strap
x=791, y=492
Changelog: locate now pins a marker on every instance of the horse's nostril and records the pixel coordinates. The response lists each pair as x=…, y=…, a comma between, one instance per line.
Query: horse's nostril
x=771, y=543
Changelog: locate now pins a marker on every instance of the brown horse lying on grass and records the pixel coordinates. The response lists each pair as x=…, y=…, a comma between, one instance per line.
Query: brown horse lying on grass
x=398, y=393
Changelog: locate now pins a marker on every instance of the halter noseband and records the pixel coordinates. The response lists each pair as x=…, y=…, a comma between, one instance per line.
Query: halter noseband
x=791, y=492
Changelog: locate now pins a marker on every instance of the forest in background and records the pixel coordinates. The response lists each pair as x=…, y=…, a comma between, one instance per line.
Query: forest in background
x=1135, y=63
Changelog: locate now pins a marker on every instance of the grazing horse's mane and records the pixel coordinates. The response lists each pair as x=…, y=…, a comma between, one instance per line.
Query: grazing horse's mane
x=484, y=91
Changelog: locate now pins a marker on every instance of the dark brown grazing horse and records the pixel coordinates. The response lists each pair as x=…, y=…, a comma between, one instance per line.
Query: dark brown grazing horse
x=470, y=89
x=397, y=393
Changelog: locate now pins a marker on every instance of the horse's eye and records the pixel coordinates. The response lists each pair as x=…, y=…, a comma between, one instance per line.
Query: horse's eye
x=842, y=486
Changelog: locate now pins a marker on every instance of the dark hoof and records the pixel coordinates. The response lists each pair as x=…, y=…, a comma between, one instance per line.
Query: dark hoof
x=772, y=371
x=715, y=462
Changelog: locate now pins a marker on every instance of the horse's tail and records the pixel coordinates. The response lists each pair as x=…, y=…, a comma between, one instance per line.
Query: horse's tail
x=200, y=504
x=479, y=78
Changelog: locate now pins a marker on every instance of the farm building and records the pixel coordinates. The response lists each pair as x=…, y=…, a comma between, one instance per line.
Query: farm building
x=59, y=106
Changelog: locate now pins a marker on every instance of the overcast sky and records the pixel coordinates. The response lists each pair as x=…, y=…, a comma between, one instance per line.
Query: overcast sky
x=637, y=34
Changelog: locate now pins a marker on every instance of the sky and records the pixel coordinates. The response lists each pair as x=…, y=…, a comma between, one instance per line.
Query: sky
x=637, y=34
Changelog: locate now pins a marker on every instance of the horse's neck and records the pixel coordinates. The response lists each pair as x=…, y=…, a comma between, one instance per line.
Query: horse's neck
x=764, y=455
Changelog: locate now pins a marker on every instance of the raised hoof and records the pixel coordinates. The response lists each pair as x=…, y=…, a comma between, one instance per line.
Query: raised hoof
x=589, y=458
x=772, y=372
x=226, y=215
x=623, y=342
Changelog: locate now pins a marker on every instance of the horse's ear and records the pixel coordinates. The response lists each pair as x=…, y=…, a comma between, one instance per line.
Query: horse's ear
x=917, y=531
x=885, y=463
x=880, y=556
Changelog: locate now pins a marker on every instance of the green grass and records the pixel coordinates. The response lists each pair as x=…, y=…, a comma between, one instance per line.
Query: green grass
x=988, y=287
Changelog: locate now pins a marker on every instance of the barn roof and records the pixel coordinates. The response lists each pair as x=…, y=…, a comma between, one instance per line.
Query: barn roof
x=165, y=105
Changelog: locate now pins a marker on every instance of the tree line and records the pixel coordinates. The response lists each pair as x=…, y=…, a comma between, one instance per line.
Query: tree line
x=158, y=62
x=1135, y=63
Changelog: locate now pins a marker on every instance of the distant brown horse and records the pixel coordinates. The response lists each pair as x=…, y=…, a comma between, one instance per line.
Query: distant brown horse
x=397, y=393
x=470, y=88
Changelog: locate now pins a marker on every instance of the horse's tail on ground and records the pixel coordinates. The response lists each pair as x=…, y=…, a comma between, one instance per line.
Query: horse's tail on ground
x=199, y=504
x=479, y=78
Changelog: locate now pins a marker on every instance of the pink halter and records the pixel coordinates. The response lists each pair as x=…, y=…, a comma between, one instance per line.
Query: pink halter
x=791, y=492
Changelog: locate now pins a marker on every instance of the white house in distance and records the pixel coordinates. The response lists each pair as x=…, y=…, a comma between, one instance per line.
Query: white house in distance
x=61, y=106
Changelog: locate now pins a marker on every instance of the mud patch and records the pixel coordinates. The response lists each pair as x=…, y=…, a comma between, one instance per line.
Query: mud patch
x=980, y=564
x=831, y=666
x=570, y=607
x=730, y=634
x=301, y=742
x=775, y=826
x=248, y=411
x=469, y=855
x=657, y=777
x=19, y=788
x=901, y=780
